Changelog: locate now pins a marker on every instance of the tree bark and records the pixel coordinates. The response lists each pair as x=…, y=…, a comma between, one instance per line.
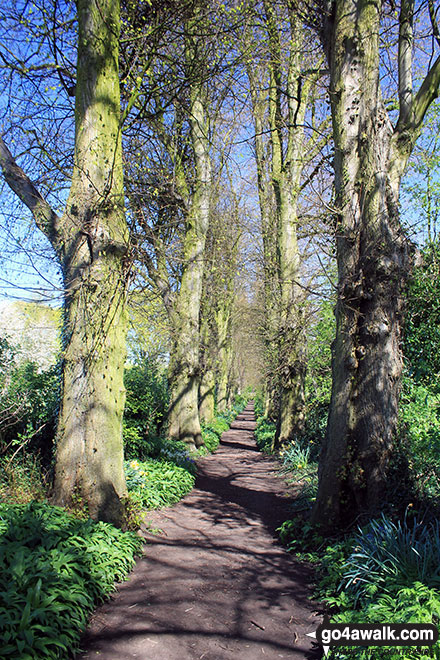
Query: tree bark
x=373, y=264
x=90, y=241
x=183, y=418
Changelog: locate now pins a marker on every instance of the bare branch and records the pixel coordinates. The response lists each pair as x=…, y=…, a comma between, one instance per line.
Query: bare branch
x=435, y=28
x=46, y=219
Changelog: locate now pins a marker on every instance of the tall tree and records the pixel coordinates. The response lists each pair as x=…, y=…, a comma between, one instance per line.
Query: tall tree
x=183, y=419
x=90, y=240
x=280, y=105
x=169, y=186
x=372, y=253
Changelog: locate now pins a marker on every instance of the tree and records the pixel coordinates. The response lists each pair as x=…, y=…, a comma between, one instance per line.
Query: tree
x=282, y=93
x=90, y=240
x=222, y=251
x=373, y=254
x=170, y=187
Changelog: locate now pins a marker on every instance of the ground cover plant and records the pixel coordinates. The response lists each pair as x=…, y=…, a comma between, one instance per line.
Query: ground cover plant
x=156, y=483
x=387, y=572
x=54, y=569
x=167, y=471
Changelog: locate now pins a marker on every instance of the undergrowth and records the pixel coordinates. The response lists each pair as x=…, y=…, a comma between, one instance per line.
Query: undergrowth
x=54, y=569
x=386, y=572
x=156, y=483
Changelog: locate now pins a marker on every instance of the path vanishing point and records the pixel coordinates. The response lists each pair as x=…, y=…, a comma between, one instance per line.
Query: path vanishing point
x=215, y=583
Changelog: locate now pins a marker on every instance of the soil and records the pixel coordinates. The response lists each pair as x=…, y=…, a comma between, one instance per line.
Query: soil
x=215, y=583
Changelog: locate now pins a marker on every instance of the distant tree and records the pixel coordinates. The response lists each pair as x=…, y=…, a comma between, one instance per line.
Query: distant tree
x=283, y=84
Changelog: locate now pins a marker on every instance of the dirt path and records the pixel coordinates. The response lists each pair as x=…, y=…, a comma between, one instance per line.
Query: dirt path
x=215, y=584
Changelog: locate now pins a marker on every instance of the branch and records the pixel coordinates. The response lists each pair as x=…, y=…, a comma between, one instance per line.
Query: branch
x=405, y=59
x=427, y=93
x=435, y=28
x=45, y=218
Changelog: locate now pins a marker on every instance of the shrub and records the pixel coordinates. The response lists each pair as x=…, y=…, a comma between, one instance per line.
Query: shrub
x=22, y=479
x=211, y=439
x=54, y=569
x=156, y=483
x=145, y=409
x=265, y=434
x=420, y=433
x=388, y=556
x=29, y=401
x=422, y=324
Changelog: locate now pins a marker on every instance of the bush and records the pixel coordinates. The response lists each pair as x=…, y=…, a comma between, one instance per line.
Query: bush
x=22, y=479
x=422, y=325
x=211, y=439
x=156, y=483
x=420, y=436
x=265, y=434
x=29, y=400
x=145, y=409
x=54, y=569
x=388, y=572
x=389, y=556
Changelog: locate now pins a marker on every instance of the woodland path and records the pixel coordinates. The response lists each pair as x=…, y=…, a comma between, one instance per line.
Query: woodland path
x=215, y=584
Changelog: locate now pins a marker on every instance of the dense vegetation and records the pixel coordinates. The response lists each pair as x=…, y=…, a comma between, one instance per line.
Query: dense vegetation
x=57, y=565
x=55, y=568
x=237, y=199
x=385, y=569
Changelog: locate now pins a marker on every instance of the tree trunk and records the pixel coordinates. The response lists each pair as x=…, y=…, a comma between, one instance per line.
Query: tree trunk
x=207, y=396
x=90, y=241
x=207, y=361
x=223, y=318
x=183, y=418
x=373, y=266
x=89, y=456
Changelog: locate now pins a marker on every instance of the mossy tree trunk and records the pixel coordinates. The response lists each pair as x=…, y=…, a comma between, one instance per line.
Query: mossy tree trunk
x=183, y=418
x=90, y=240
x=279, y=184
x=207, y=362
x=223, y=323
x=372, y=254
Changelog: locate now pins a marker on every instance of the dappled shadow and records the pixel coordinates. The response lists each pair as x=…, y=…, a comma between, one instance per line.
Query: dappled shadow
x=215, y=584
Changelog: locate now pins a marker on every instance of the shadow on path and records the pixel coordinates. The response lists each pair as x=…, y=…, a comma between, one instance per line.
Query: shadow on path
x=215, y=584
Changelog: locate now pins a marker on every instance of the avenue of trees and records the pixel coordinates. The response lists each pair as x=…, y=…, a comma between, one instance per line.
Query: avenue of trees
x=213, y=178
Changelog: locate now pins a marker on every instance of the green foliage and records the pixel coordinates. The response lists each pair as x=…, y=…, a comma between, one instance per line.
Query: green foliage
x=156, y=483
x=29, y=401
x=258, y=404
x=386, y=573
x=265, y=434
x=422, y=327
x=388, y=556
x=145, y=409
x=414, y=604
x=22, y=479
x=420, y=435
x=296, y=458
x=211, y=439
x=219, y=425
x=319, y=377
x=54, y=569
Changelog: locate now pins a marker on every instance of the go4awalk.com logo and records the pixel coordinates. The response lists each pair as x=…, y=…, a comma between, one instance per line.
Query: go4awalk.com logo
x=375, y=634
